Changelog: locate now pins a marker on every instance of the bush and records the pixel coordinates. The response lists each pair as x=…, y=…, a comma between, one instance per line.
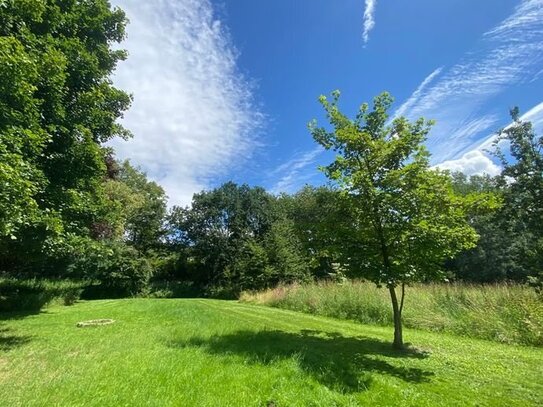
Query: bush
x=168, y=266
x=119, y=268
x=223, y=292
x=174, y=289
x=33, y=294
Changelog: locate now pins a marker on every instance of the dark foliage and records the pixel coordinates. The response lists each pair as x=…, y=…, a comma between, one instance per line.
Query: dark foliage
x=233, y=238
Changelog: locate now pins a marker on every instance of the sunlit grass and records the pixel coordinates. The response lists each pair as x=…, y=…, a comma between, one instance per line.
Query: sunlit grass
x=217, y=353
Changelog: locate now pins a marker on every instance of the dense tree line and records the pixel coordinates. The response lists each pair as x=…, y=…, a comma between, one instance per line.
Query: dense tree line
x=70, y=209
x=510, y=247
x=237, y=238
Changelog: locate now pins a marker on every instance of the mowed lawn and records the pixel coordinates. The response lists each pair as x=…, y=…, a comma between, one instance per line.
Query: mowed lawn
x=219, y=353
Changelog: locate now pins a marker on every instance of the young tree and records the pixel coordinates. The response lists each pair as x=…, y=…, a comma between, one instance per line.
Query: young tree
x=404, y=215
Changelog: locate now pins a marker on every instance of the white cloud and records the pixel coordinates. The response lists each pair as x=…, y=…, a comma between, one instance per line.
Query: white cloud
x=291, y=175
x=410, y=103
x=477, y=161
x=472, y=163
x=369, y=19
x=509, y=54
x=192, y=115
x=535, y=116
x=528, y=14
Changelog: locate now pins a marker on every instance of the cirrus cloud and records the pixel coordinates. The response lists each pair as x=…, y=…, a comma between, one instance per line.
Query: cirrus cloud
x=193, y=116
x=510, y=54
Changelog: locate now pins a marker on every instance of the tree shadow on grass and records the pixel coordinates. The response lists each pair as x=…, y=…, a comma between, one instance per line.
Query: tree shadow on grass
x=344, y=364
x=13, y=315
x=9, y=341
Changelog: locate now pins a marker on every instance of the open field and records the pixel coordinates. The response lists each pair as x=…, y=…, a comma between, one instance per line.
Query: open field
x=506, y=313
x=218, y=353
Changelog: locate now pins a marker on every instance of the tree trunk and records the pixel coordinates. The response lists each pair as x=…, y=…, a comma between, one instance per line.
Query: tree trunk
x=398, y=335
x=396, y=308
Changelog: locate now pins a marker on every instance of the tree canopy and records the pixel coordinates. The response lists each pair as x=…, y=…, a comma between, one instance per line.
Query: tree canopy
x=236, y=237
x=520, y=151
x=58, y=106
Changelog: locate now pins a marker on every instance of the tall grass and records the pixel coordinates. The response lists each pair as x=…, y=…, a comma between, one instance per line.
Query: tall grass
x=504, y=313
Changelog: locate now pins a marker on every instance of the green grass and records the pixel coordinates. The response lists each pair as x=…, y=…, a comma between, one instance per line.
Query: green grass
x=503, y=313
x=183, y=352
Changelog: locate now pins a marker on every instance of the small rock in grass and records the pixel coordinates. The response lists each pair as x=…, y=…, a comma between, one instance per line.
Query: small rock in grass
x=95, y=322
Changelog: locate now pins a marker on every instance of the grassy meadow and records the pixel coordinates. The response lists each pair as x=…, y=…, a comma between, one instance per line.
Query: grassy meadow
x=501, y=312
x=195, y=352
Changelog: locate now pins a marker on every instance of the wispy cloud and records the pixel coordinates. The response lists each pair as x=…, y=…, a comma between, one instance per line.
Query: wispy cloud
x=471, y=127
x=534, y=116
x=527, y=15
x=410, y=103
x=477, y=161
x=509, y=54
x=369, y=19
x=193, y=116
x=291, y=174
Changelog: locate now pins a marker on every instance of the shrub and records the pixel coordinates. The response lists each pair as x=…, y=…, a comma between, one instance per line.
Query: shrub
x=33, y=294
x=222, y=292
x=174, y=289
x=119, y=268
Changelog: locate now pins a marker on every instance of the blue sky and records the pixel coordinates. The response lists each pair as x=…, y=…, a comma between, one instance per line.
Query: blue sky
x=224, y=89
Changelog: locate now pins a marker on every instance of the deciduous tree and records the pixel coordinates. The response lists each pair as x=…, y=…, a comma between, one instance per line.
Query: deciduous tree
x=405, y=216
x=520, y=151
x=57, y=107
